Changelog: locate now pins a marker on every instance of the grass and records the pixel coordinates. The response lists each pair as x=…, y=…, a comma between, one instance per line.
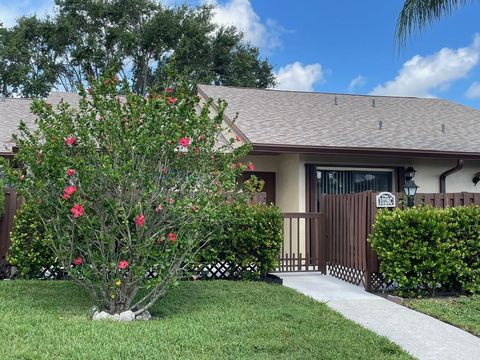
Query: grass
x=196, y=320
x=463, y=311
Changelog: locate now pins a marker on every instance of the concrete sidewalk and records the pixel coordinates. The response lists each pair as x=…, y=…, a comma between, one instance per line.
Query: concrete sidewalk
x=421, y=335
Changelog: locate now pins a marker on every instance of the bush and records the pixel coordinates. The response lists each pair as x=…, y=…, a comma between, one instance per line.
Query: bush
x=246, y=237
x=30, y=252
x=425, y=249
x=125, y=183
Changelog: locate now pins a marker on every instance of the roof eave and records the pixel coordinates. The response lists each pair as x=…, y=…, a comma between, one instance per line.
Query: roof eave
x=263, y=149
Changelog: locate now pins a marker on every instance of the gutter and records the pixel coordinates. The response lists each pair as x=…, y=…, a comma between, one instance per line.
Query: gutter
x=443, y=176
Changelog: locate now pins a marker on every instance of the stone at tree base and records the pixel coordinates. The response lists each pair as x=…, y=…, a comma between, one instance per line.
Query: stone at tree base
x=102, y=315
x=128, y=315
x=123, y=316
x=144, y=316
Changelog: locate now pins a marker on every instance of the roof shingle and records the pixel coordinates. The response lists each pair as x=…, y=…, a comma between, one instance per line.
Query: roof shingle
x=351, y=121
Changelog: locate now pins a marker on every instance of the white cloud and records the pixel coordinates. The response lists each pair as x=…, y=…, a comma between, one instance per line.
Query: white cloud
x=420, y=76
x=359, y=81
x=240, y=14
x=299, y=77
x=473, y=91
x=10, y=11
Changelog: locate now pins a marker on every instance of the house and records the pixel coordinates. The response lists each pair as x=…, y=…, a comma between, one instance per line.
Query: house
x=306, y=144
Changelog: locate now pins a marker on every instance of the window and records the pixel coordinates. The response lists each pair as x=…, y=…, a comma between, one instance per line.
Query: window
x=353, y=181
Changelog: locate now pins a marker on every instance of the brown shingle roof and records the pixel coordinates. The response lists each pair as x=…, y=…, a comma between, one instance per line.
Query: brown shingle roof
x=14, y=110
x=313, y=119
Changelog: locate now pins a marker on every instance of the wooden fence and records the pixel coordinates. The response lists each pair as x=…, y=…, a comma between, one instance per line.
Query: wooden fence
x=349, y=220
x=12, y=204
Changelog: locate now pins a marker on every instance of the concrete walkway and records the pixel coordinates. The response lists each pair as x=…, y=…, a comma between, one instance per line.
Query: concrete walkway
x=421, y=335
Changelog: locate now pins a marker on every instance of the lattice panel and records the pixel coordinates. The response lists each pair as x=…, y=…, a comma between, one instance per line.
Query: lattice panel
x=223, y=270
x=378, y=282
x=344, y=273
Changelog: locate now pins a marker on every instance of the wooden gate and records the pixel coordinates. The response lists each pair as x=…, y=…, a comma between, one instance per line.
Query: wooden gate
x=302, y=248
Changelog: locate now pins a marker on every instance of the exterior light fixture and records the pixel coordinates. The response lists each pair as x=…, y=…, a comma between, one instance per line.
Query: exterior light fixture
x=410, y=173
x=410, y=189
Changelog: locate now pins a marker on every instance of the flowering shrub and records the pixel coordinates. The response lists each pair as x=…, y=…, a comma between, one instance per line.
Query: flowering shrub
x=125, y=184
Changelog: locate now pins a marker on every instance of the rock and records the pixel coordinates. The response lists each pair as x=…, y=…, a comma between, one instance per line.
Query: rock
x=144, y=316
x=115, y=317
x=128, y=315
x=102, y=315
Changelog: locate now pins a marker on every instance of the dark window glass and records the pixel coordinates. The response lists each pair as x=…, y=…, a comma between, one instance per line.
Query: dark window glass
x=352, y=181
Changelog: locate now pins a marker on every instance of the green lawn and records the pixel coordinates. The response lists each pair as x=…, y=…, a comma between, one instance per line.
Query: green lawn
x=463, y=311
x=197, y=320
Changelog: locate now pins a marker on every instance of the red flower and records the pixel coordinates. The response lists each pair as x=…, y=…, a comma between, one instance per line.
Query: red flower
x=77, y=210
x=169, y=90
x=164, y=171
x=89, y=91
x=184, y=141
x=78, y=261
x=140, y=220
x=172, y=237
x=69, y=191
x=71, y=140
x=122, y=264
x=70, y=172
x=250, y=166
x=237, y=138
x=171, y=100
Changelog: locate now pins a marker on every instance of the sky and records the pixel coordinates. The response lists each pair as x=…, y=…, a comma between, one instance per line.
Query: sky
x=345, y=46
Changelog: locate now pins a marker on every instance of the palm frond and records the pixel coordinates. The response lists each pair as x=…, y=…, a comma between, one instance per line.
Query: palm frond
x=416, y=14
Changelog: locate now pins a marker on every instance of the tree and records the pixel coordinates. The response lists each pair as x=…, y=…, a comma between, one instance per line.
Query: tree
x=416, y=14
x=124, y=187
x=29, y=58
x=138, y=39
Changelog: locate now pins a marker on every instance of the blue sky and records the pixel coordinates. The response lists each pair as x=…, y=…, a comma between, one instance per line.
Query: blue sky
x=346, y=45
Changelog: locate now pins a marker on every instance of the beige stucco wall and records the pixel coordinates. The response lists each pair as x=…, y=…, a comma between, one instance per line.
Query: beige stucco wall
x=290, y=173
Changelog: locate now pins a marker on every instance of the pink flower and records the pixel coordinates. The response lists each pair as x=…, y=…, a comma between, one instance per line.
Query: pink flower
x=184, y=141
x=89, y=91
x=77, y=210
x=159, y=208
x=172, y=237
x=170, y=201
x=71, y=140
x=70, y=172
x=140, y=220
x=250, y=166
x=169, y=90
x=122, y=264
x=237, y=138
x=69, y=191
x=115, y=78
x=171, y=100
x=78, y=261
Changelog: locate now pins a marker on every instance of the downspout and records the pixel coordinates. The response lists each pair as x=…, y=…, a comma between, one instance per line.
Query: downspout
x=443, y=176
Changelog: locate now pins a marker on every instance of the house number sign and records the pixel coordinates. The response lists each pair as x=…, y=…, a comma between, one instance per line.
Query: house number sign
x=386, y=200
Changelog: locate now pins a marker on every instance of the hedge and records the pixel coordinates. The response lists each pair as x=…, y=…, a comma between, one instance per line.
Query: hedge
x=247, y=238
x=429, y=250
x=30, y=252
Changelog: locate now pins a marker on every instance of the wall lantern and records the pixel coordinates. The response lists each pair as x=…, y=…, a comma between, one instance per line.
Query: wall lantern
x=410, y=173
x=410, y=189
